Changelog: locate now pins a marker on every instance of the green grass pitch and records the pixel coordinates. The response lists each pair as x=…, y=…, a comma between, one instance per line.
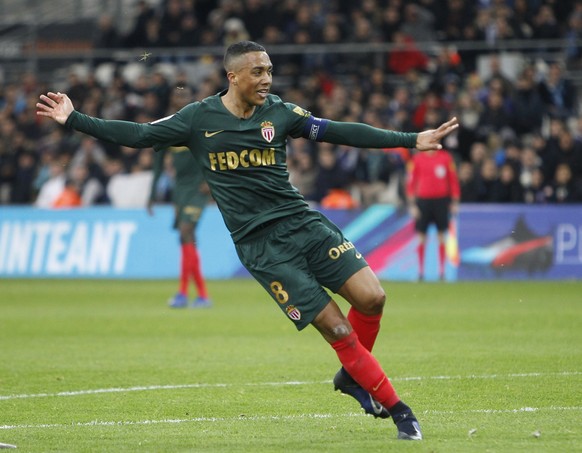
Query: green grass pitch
x=105, y=366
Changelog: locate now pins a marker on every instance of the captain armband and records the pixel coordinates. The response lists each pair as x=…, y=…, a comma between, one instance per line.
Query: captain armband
x=314, y=128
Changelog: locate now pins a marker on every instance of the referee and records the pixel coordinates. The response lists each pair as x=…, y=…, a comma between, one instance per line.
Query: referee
x=432, y=189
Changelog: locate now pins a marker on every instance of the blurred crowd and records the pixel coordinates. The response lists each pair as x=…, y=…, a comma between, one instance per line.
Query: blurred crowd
x=520, y=135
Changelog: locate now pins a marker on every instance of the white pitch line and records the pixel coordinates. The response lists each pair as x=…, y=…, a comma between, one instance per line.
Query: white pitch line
x=276, y=384
x=260, y=418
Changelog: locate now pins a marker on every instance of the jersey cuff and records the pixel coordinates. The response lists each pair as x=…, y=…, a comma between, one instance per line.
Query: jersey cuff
x=314, y=128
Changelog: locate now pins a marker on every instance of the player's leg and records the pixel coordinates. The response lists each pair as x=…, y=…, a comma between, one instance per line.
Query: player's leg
x=366, y=297
x=189, y=217
x=442, y=253
x=195, y=268
x=180, y=299
x=359, y=363
x=340, y=267
x=421, y=227
x=420, y=254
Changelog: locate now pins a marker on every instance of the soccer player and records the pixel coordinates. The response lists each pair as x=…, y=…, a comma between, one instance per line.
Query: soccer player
x=190, y=196
x=433, y=193
x=239, y=139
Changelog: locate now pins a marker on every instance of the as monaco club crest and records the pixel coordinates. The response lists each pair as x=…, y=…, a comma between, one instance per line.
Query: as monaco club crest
x=267, y=131
x=293, y=313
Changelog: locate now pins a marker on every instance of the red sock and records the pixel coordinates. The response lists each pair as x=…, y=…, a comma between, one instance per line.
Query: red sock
x=420, y=253
x=196, y=272
x=365, y=369
x=184, y=266
x=366, y=327
x=442, y=258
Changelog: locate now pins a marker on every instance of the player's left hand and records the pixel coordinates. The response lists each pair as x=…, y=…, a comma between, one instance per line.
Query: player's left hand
x=430, y=139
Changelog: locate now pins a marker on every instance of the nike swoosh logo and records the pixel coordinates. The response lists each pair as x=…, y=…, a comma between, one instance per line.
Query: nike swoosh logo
x=211, y=134
x=378, y=386
x=376, y=406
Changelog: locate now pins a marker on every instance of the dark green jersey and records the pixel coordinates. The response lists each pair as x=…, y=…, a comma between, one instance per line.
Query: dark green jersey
x=244, y=160
x=188, y=178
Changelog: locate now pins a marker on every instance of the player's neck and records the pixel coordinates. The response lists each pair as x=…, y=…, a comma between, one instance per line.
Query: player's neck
x=238, y=108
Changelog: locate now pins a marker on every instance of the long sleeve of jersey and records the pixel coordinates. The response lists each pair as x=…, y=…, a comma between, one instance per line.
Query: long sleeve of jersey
x=159, y=134
x=362, y=135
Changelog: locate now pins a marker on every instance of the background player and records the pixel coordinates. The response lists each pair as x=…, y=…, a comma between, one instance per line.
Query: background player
x=239, y=137
x=433, y=194
x=190, y=195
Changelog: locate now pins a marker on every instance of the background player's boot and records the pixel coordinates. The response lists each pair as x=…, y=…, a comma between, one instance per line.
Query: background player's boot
x=201, y=302
x=346, y=384
x=178, y=301
x=407, y=424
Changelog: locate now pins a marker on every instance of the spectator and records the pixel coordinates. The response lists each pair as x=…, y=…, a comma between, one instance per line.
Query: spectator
x=468, y=185
x=487, y=181
x=558, y=93
x=406, y=56
x=418, y=23
x=234, y=31
x=69, y=196
x=88, y=188
x=508, y=189
x=534, y=192
x=545, y=25
x=573, y=36
x=170, y=24
x=53, y=187
x=302, y=170
x=138, y=36
x=106, y=36
x=529, y=164
x=563, y=188
x=569, y=151
x=529, y=107
x=494, y=117
x=22, y=186
x=91, y=155
x=330, y=174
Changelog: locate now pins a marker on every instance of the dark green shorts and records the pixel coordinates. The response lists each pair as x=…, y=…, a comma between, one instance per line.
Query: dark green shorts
x=187, y=214
x=295, y=258
x=189, y=203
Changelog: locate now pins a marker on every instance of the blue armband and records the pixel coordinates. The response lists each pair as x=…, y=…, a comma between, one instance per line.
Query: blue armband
x=314, y=128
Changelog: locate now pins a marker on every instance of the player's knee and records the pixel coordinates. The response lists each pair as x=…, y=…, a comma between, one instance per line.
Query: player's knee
x=376, y=301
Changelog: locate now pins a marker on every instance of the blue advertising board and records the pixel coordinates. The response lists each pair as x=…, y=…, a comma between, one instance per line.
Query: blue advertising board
x=88, y=242
x=518, y=242
x=511, y=242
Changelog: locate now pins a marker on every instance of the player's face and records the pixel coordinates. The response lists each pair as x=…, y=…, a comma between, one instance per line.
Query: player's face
x=253, y=77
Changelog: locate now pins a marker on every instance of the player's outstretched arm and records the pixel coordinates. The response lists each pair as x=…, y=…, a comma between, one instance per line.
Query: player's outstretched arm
x=431, y=139
x=361, y=135
x=57, y=106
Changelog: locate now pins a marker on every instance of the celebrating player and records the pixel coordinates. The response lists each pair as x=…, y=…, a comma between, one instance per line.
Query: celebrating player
x=239, y=139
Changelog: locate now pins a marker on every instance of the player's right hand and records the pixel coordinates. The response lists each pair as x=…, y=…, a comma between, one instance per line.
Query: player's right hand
x=57, y=106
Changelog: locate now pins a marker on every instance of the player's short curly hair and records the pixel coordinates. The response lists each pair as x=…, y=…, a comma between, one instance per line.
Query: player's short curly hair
x=240, y=48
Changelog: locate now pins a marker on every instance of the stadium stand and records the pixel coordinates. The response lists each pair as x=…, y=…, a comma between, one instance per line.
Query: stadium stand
x=510, y=70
